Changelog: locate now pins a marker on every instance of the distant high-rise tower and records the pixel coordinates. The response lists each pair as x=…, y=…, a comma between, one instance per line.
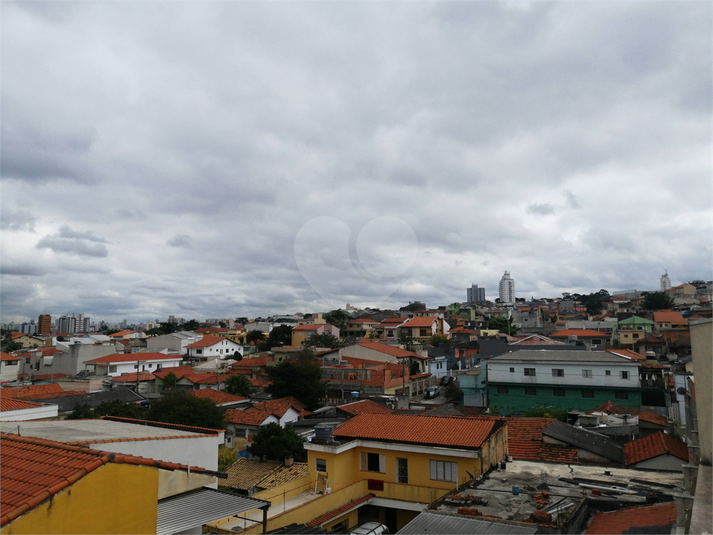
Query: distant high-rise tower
x=475, y=294
x=44, y=324
x=665, y=282
x=507, y=289
x=73, y=323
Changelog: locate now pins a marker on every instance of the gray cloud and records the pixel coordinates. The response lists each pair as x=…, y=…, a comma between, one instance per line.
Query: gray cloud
x=491, y=129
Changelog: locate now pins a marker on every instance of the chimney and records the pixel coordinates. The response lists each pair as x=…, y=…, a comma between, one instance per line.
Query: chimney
x=289, y=461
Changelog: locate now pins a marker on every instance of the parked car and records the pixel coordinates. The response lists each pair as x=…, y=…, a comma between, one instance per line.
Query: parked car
x=370, y=528
x=431, y=392
x=447, y=380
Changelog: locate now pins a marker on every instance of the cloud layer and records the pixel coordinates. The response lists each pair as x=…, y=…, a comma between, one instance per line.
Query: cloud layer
x=171, y=158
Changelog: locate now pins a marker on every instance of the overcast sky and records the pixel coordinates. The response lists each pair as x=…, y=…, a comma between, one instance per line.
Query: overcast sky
x=222, y=159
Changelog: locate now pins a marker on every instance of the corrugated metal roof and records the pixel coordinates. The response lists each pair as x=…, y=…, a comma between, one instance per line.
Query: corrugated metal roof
x=431, y=522
x=198, y=507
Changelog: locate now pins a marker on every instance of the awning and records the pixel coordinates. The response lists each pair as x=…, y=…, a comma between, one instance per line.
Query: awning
x=198, y=507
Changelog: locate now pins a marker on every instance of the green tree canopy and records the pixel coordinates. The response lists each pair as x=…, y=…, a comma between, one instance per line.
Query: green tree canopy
x=657, y=301
x=453, y=393
x=547, y=412
x=280, y=336
x=503, y=325
x=169, y=381
x=190, y=325
x=238, y=385
x=182, y=408
x=338, y=318
x=272, y=442
x=438, y=339
x=255, y=336
x=413, y=307
x=323, y=340
x=301, y=379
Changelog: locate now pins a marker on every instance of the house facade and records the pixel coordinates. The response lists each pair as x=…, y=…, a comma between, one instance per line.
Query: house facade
x=120, y=363
x=572, y=380
x=213, y=347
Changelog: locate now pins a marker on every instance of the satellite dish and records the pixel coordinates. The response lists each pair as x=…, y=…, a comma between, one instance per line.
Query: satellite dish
x=681, y=390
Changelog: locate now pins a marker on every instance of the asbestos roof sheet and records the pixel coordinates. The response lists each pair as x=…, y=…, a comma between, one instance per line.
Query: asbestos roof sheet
x=546, y=355
x=586, y=440
x=431, y=522
x=200, y=506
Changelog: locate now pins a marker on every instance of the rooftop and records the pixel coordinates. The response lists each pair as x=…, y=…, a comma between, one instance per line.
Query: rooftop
x=463, y=432
x=365, y=405
x=389, y=350
x=246, y=474
x=652, y=446
x=544, y=355
x=133, y=357
x=622, y=521
x=218, y=397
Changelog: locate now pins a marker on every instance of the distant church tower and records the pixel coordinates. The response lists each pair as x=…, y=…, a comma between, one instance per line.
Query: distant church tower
x=507, y=289
x=665, y=282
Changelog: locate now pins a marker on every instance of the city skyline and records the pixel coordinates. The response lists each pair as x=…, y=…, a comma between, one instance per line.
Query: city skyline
x=239, y=158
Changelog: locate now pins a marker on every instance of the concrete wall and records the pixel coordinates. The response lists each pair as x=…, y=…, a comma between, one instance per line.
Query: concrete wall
x=499, y=372
x=702, y=351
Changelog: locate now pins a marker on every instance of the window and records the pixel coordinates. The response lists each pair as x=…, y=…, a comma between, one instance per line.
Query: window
x=443, y=471
x=512, y=370
x=557, y=373
x=402, y=470
x=424, y=332
x=373, y=462
x=27, y=361
x=320, y=465
x=112, y=369
x=607, y=372
x=199, y=351
x=596, y=342
x=559, y=392
x=530, y=391
x=624, y=375
x=530, y=371
x=621, y=395
x=136, y=366
x=587, y=393
x=587, y=374
x=502, y=390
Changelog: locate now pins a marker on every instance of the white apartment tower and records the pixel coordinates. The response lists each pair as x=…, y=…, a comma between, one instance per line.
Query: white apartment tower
x=665, y=282
x=73, y=323
x=507, y=289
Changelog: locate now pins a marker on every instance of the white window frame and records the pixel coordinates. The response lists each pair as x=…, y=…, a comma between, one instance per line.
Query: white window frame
x=443, y=470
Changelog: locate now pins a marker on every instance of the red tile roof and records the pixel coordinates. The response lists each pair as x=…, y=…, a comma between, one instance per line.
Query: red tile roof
x=207, y=341
x=121, y=334
x=45, y=352
x=32, y=391
x=612, y=408
x=8, y=357
x=334, y=513
x=259, y=382
x=178, y=371
x=392, y=321
x=581, y=333
x=133, y=357
x=653, y=446
x=635, y=517
x=11, y=404
x=390, y=350
x=218, y=397
x=34, y=470
x=280, y=406
x=674, y=317
x=235, y=416
x=419, y=322
x=364, y=320
x=131, y=377
x=306, y=328
x=462, y=432
x=48, y=376
x=253, y=362
x=365, y=405
x=525, y=442
x=211, y=330
x=628, y=353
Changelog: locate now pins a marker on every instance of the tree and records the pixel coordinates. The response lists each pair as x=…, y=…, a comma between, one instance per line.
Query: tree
x=275, y=443
x=503, y=325
x=413, y=307
x=657, y=301
x=238, y=385
x=182, y=408
x=453, y=393
x=82, y=411
x=323, y=340
x=255, y=336
x=169, y=381
x=190, y=325
x=280, y=336
x=8, y=344
x=167, y=328
x=338, y=318
x=301, y=379
x=439, y=339
x=547, y=412
x=593, y=303
x=119, y=408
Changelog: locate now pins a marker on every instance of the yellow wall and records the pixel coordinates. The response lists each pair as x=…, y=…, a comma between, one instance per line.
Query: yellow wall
x=114, y=498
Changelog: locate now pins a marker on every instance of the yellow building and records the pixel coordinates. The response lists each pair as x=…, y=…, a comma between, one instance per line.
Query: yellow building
x=401, y=463
x=51, y=487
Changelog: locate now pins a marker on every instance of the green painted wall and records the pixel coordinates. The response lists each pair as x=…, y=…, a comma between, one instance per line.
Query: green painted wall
x=515, y=400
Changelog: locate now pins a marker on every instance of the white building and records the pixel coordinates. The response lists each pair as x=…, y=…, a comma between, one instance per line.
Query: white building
x=665, y=282
x=121, y=363
x=213, y=346
x=506, y=289
x=73, y=323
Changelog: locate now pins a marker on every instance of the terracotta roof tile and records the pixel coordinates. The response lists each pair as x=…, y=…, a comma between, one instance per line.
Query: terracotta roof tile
x=460, y=432
x=633, y=355
x=674, y=317
x=254, y=362
x=419, y=322
x=259, y=382
x=207, y=341
x=634, y=517
x=121, y=333
x=280, y=406
x=235, y=416
x=7, y=357
x=219, y=397
x=306, y=328
x=245, y=474
x=582, y=333
x=525, y=442
x=334, y=513
x=612, y=408
x=390, y=350
x=365, y=405
x=652, y=446
x=11, y=404
x=131, y=377
x=34, y=470
x=32, y=391
x=178, y=371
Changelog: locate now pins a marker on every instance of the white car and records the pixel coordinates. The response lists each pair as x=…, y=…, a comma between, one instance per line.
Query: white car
x=370, y=528
x=431, y=392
